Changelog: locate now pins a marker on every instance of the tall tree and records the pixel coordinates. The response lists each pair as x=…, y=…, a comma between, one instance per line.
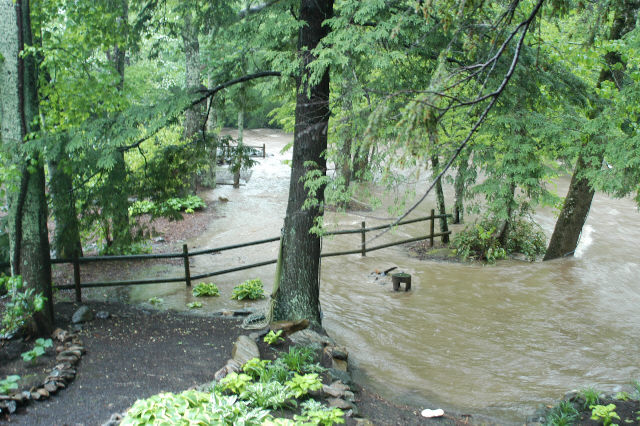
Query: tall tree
x=27, y=203
x=577, y=203
x=297, y=289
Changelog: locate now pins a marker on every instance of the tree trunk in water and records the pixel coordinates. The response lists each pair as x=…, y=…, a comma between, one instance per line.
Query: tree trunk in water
x=297, y=293
x=236, y=173
x=435, y=163
x=459, y=187
x=575, y=210
x=193, y=116
x=577, y=204
x=503, y=237
x=28, y=234
x=66, y=239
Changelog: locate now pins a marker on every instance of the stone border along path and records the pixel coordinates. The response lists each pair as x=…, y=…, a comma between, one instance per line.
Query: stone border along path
x=69, y=353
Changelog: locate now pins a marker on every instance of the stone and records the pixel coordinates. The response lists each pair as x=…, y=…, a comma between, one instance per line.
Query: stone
x=102, y=315
x=428, y=413
x=362, y=422
x=51, y=387
x=68, y=352
x=26, y=395
x=339, y=364
x=289, y=327
x=221, y=374
x=339, y=403
x=77, y=348
x=245, y=349
x=59, y=334
x=83, y=314
x=114, y=420
x=18, y=398
x=11, y=406
x=336, y=374
x=349, y=396
x=43, y=393
x=336, y=390
x=309, y=337
x=233, y=366
x=339, y=352
x=35, y=396
x=68, y=359
x=77, y=327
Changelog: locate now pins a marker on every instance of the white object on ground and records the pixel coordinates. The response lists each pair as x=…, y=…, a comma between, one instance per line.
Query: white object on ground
x=432, y=413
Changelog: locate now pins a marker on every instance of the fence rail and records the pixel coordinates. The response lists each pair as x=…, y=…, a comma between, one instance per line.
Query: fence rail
x=186, y=255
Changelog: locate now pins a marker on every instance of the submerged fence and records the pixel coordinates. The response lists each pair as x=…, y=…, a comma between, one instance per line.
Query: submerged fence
x=186, y=255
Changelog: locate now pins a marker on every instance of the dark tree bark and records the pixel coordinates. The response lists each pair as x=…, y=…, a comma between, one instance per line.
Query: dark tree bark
x=27, y=207
x=503, y=236
x=577, y=203
x=297, y=291
x=194, y=115
x=459, y=188
x=435, y=163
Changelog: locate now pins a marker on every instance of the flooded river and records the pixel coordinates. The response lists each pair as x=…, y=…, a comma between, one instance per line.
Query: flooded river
x=498, y=340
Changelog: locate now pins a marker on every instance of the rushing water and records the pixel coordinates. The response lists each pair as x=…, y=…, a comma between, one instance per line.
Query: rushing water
x=498, y=340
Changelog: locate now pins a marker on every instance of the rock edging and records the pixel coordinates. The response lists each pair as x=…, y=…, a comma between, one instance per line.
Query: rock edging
x=69, y=352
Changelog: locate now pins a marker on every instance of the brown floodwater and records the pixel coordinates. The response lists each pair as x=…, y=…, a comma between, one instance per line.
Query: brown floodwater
x=497, y=340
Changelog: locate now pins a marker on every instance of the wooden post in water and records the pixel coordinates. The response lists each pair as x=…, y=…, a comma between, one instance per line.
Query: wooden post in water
x=264, y=150
x=432, y=226
x=76, y=278
x=187, y=272
x=363, y=234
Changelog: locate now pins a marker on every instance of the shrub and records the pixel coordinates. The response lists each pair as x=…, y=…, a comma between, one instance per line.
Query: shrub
x=39, y=348
x=9, y=383
x=206, y=290
x=250, y=289
x=23, y=303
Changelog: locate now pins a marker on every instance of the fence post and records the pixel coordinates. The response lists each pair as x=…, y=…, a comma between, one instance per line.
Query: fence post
x=432, y=226
x=76, y=278
x=264, y=151
x=187, y=272
x=363, y=245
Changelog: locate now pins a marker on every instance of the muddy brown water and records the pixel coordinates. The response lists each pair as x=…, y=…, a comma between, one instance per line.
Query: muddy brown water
x=496, y=340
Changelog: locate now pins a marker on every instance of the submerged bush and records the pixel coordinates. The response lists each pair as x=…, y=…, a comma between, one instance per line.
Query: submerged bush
x=480, y=241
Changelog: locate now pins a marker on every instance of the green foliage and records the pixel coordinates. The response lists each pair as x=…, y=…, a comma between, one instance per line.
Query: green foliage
x=194, y=305
x=170, y=208
x=590, y=396
x=156, y=301
x=562, y=414
x=8, y=384
x=206, y=290
x=317, y=413
x=22, y=304
x=623, y=396
x=256, y=367
x=39, y=349
x=250, y=289
x=604, y=413
x=273, y=337
x=301, y=385
x=272, y=395
x=235, y=383
x=192, y=407
x=299, y=358
x=276, y=371
x=479, y=242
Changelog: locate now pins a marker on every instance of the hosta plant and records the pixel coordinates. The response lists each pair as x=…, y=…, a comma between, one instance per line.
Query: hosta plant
x=250, y=289
x=206, y=290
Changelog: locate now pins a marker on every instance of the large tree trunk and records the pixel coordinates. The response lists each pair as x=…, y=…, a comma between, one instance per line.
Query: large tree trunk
x=503, y=236
x=29, y=242
x=297, y=292
x=66, y=238
x=577, y=204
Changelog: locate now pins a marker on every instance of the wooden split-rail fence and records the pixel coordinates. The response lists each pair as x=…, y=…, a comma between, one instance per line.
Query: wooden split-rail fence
x=186, y=255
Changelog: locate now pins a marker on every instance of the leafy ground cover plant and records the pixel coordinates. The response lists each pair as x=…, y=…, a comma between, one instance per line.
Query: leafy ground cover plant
x=272, y=395
x=250, y=289
x=168, y=208
x=604, y=413
x=316, y=413
x=39, y=348
x=562, y=414
x=22, y=304
x=299, y=358
x=155, y=300
x=256, y=367
x=8, y=384
x=301, y=385
x=235, y=383
x=272, y=338
x=206, y=290
x=194, y=305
